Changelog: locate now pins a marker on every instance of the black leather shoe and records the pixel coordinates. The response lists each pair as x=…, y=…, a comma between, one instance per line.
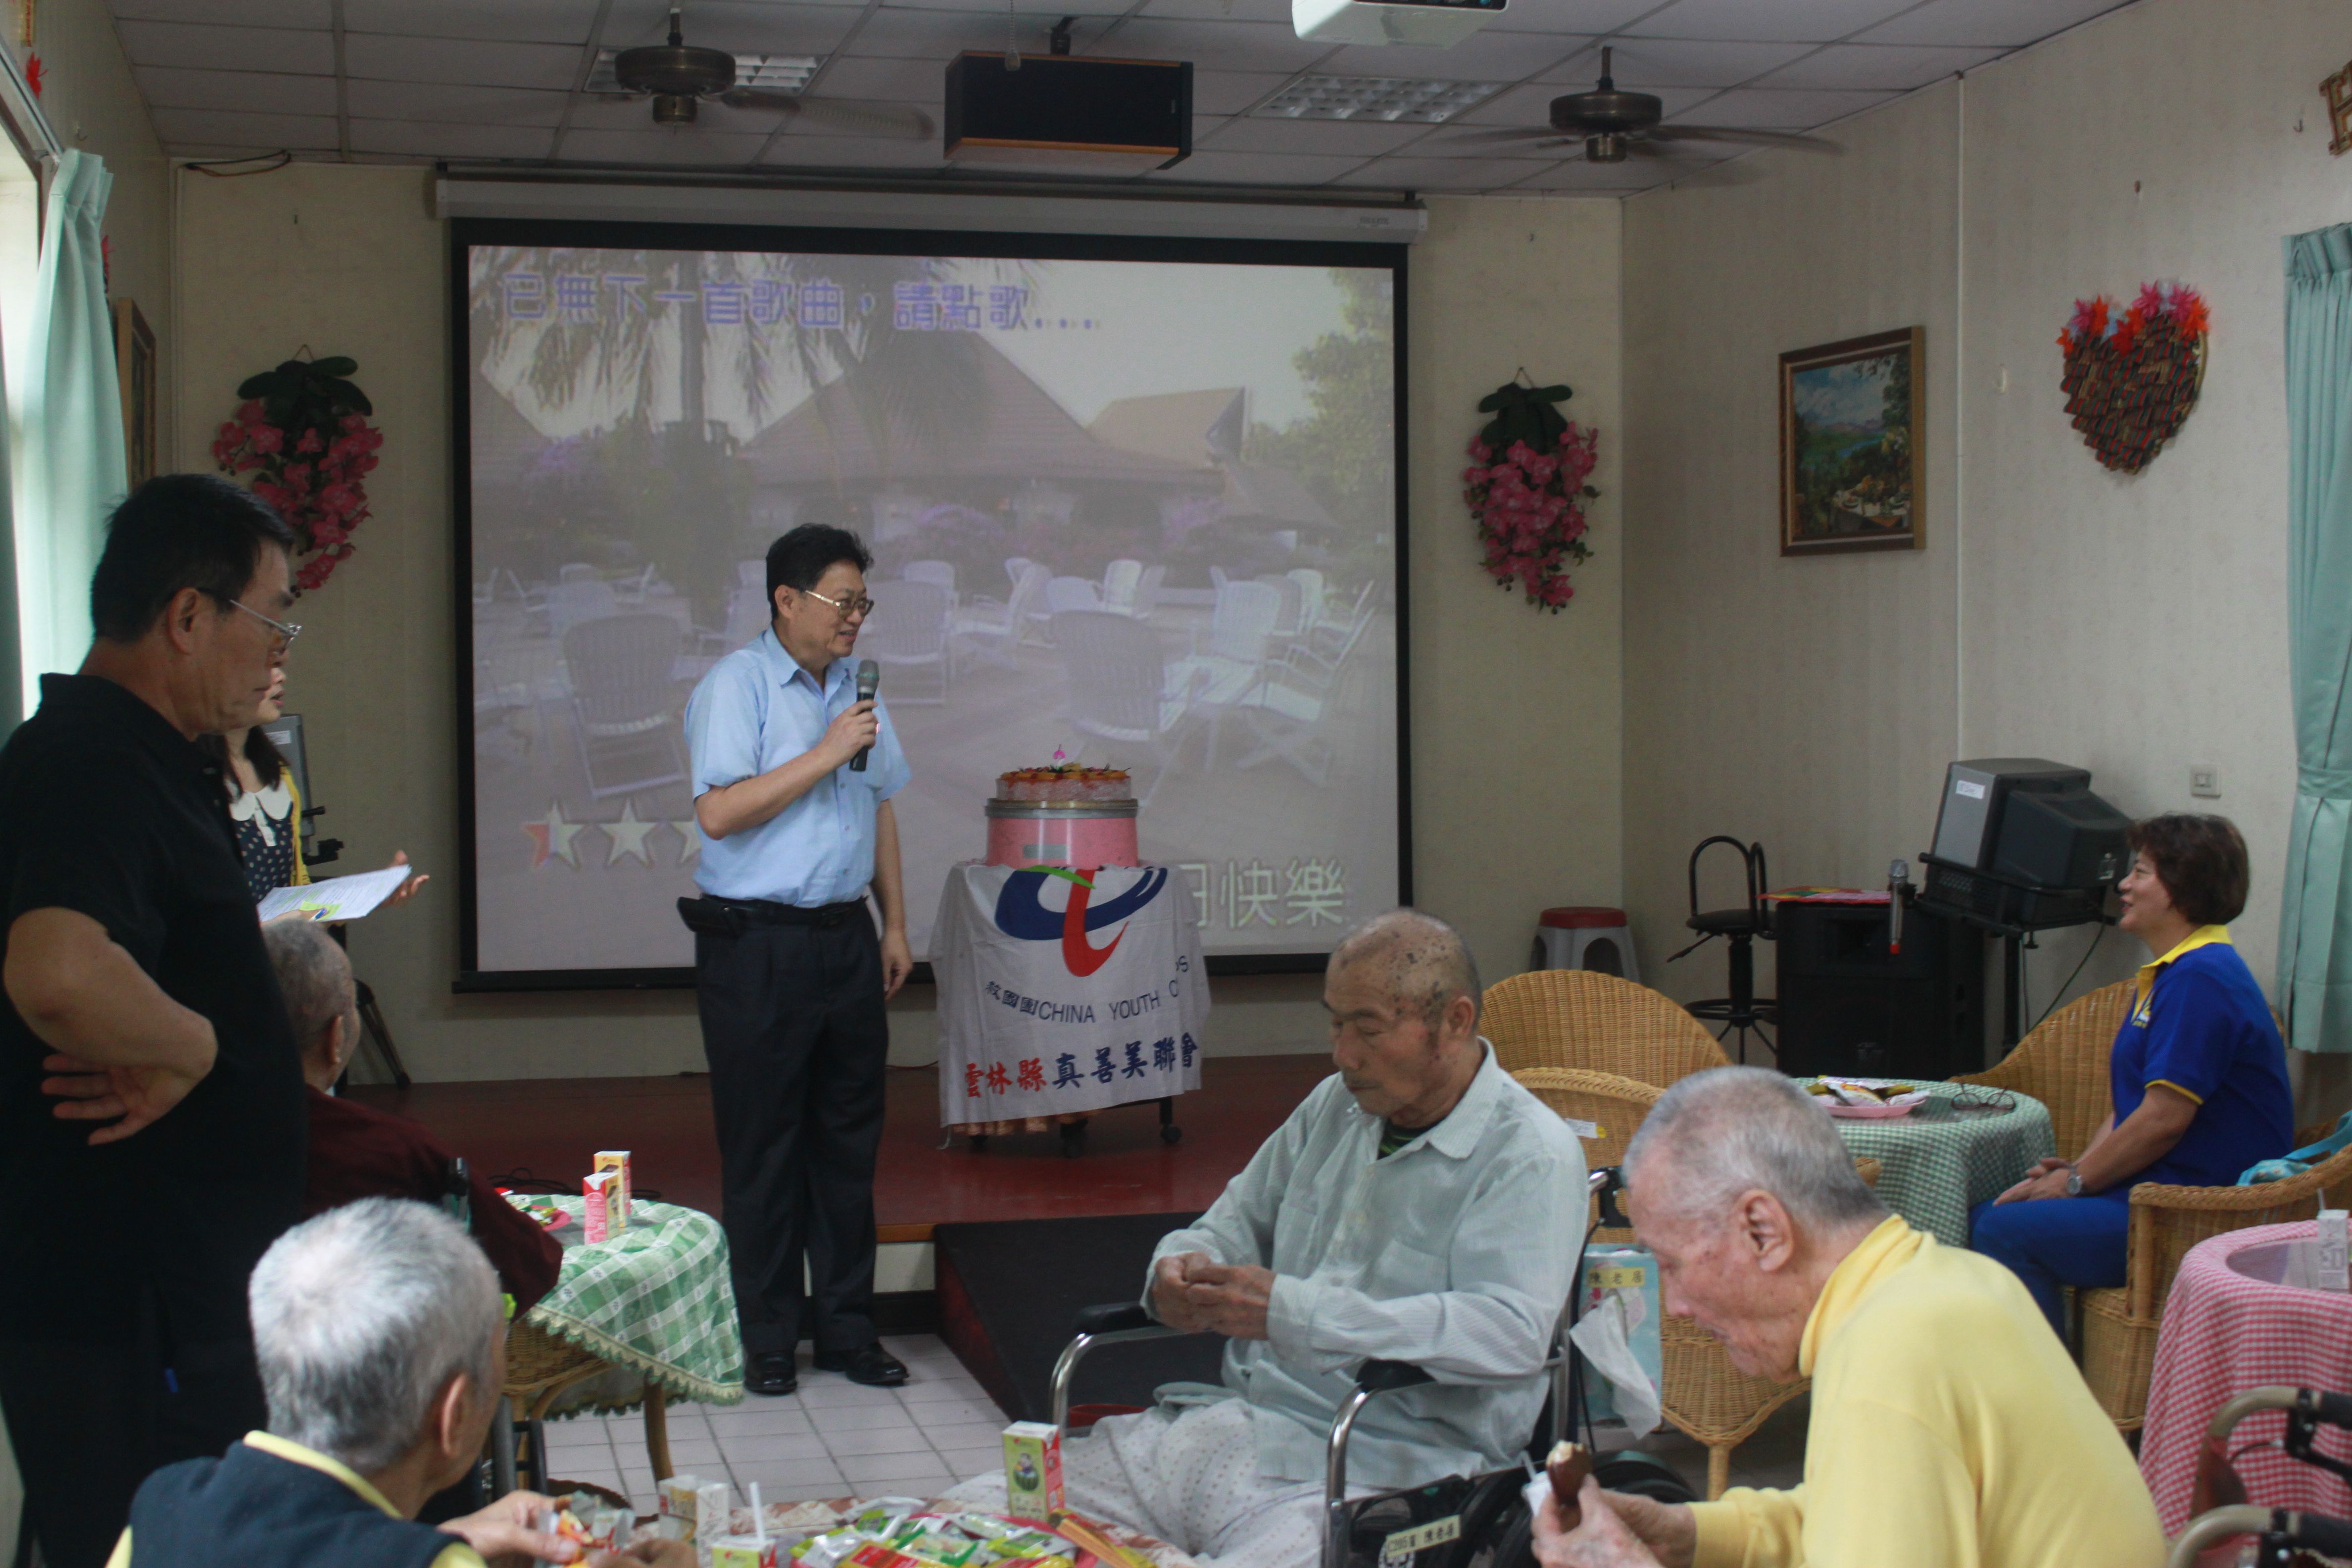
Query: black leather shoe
x=872, y=1365
x=772, y=1374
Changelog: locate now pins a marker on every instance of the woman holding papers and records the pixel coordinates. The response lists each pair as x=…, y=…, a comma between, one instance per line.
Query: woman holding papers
x=266, y=807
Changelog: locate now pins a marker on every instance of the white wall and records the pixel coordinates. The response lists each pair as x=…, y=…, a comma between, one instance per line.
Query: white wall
x=1516, y=752
x=2130, y=624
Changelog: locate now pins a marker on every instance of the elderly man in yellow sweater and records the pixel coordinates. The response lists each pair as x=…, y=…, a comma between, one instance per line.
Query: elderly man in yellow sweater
x=1949, y=1428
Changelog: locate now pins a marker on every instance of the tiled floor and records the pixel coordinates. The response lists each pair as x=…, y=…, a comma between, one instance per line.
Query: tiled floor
x=834, y=1439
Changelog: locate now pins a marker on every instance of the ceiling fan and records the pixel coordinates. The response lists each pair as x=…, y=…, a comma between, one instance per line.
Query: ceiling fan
x=1615, y=125
x=680, y=78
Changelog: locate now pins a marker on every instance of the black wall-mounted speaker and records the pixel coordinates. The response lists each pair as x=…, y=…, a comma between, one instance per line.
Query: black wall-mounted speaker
x=1069, y=111
x=1847, y=1005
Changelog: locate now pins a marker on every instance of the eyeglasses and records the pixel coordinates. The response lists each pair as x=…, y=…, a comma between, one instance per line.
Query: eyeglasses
x=847, y=607
x=287, y=630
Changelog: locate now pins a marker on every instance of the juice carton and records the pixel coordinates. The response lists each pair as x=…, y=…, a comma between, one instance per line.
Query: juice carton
x=618, y=1160
x=1032, y=1469
x=2329, y=1269
x=601, y=1191
x=676, y=1508
x=750, y=1551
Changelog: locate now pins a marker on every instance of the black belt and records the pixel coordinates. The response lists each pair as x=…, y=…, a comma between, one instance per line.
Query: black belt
x=728, y=916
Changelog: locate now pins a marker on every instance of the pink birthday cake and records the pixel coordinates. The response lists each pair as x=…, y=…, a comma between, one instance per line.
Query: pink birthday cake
x=1062, y=816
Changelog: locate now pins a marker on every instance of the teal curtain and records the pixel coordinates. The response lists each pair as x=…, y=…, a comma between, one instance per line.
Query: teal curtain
x=2315, y=919
x=70, y=466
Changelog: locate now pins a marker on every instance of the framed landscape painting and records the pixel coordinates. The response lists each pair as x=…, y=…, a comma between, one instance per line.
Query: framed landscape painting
x=1853, y=459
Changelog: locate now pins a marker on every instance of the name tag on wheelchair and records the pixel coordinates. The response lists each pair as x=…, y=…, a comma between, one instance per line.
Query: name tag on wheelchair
x=1440, y=1525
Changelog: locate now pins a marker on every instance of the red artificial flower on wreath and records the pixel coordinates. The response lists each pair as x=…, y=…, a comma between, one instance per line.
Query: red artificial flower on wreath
x=302, y=432
x=1529, y=510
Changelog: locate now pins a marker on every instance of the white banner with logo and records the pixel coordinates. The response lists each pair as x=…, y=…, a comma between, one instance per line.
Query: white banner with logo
x=1065, y=990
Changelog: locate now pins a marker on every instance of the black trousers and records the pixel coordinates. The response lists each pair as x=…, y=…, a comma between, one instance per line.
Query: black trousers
x=793, y=1029
x=91, y=1419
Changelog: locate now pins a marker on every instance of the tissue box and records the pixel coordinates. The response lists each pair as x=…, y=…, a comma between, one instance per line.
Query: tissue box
x=1635, y=1270
x=2328, y=1266
x=1032, y=1469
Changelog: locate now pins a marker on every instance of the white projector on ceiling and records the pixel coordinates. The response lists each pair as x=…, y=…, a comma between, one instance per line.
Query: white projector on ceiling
x=1436, y=23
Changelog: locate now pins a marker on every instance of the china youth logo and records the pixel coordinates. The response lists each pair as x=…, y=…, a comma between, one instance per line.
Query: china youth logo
x=1021, y=912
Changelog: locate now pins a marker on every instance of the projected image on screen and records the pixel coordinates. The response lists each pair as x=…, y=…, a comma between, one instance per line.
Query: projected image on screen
x=1141, y=512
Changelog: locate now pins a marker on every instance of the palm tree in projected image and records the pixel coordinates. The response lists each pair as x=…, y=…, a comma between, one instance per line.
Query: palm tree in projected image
x=682, y=356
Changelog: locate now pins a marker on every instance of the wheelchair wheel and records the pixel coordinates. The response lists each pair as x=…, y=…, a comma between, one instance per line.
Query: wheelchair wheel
x=1516, y=1548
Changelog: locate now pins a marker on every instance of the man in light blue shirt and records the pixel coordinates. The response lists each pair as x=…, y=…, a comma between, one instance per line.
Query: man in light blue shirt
x=789, y=973
x=1418, y=1206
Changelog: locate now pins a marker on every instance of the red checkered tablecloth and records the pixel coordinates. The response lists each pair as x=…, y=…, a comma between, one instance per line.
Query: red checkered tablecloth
x=2222, y=1334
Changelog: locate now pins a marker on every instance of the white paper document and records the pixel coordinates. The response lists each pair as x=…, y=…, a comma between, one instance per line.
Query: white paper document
x=337, y=898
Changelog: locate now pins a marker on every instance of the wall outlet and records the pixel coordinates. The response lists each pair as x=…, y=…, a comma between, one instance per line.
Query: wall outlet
x=2205, y=781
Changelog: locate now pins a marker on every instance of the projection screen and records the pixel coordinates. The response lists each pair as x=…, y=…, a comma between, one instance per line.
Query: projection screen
x=1199, y=437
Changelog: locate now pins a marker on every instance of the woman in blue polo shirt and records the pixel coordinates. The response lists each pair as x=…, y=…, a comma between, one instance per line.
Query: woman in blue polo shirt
x=2198, y=1074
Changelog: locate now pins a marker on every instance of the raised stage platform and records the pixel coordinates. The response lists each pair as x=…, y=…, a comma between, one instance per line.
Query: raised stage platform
x=552, y=1127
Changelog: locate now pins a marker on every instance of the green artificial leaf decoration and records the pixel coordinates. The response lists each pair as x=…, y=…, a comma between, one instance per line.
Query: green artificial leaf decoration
x=1524, y=413
x=337, y=366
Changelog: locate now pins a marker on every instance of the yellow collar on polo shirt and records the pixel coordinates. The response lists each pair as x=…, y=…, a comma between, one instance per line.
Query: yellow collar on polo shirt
x=1889, y=1246
x=2203, y=936
x=295, y=1453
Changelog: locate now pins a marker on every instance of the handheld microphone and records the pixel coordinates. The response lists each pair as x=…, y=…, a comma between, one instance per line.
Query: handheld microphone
x=869, y=682
x=1898, y=888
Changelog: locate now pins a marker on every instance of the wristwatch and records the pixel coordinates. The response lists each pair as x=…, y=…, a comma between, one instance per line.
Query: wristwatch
x=2073, y=1182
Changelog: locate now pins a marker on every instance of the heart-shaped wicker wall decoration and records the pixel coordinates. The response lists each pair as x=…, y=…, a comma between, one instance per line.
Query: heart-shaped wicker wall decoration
x=2132, y=375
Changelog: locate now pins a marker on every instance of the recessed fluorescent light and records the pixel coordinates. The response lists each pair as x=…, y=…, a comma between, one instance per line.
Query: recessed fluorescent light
x=1376, y=97
x=769, y=73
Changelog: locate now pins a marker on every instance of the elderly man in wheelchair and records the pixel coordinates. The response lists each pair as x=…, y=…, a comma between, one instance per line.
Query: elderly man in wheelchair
x=1415, y=1225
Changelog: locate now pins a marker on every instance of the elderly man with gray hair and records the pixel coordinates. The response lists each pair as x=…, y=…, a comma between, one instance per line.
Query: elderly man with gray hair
x=381, y=1342
x=1948, y=1428
x=1418, y=1206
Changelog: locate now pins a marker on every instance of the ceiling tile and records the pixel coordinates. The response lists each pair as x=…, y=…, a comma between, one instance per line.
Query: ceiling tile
x=527, y=21
x=1223, y=46
x=1225, y=10
x=938, y=36
x=1445, y=173
x=426, y=141
x=1232, y=92
x=893, y=80
x=253, y=13
x=310, y=132
x=226, y=48
x=1569, y=15
x=820, y=153
x=2003, y=22
x=693, y=146
x=593, y=114
x=1576, y=174
x=1482, y=56
x=833, y=116
x=1362, y=138
x=1255, y=169
x=475, y=63
x=443, y=102
x=1762, y=109
x=1896, y=67
x=1646, y=65
x=237, y=90
x=1767, y=21
x=1531, y=105
x=766, y=28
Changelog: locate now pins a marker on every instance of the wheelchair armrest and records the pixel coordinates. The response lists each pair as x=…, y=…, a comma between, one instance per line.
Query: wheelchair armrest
x=1112, y=1318
x=1388, y=1376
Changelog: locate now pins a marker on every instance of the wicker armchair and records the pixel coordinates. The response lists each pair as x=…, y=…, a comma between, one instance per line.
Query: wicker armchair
x=540, y=1367
x=1577, y=1019
x=2064, y=1063
x=1703, y=1395
x=2119, y=1325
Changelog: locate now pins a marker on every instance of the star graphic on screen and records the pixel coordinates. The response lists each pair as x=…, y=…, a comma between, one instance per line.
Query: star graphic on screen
x=628, y=836
x=691, y=832
x=551, y=836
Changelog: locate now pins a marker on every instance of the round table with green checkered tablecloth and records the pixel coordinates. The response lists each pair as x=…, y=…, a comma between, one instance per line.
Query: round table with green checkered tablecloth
x=1967, y=1144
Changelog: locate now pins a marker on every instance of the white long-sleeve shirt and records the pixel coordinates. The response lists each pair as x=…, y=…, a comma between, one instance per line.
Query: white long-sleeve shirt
x=1456, y=1254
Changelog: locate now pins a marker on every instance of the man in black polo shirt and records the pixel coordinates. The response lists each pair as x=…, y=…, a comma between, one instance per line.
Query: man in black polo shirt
x=151, y=1122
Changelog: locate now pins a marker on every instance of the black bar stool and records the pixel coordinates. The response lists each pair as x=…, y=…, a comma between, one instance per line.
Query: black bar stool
x=1743, y=1010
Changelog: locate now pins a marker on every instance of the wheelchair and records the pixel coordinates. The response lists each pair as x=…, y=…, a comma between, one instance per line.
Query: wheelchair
x=2219, y=1499
x=1479, y=1522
